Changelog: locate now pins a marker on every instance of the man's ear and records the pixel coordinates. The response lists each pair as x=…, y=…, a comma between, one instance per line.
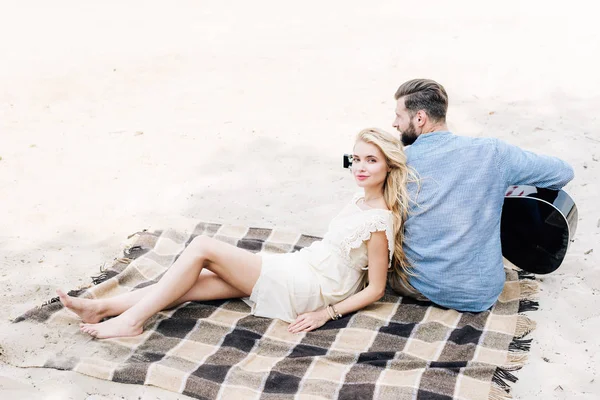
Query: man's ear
x=421, y=118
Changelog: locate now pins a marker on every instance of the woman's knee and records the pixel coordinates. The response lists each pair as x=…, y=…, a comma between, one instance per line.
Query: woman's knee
x=200, y=246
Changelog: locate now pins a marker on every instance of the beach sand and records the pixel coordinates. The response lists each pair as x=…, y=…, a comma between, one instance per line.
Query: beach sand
x=119, y=117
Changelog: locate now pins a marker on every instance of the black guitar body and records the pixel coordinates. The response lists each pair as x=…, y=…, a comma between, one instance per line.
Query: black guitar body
x=537, y=227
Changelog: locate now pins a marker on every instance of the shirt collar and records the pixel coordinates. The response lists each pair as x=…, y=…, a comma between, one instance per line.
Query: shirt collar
x=425, y=140
x=431, y=136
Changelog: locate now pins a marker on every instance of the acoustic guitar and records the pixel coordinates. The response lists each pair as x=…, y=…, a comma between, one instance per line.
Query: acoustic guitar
x=536, y=228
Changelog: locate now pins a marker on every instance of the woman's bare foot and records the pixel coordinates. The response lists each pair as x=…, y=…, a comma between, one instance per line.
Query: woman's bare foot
x=90, y=311
x=115, y=327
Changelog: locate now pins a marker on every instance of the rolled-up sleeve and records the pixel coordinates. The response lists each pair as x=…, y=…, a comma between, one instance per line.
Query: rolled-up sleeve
x=521, y=167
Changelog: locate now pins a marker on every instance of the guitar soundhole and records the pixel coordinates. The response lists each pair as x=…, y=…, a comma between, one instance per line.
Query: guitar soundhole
x=534, y=235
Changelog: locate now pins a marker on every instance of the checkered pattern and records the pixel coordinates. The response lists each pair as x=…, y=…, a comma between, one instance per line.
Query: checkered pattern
x=397, y=348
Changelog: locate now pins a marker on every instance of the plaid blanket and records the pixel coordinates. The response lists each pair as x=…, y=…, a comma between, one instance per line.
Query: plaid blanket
x=397, y=348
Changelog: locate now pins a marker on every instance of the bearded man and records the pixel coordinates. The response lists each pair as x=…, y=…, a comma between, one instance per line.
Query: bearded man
x=452, y=234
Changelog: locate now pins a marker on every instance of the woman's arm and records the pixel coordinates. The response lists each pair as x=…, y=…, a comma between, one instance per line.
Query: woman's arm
x=377, y=250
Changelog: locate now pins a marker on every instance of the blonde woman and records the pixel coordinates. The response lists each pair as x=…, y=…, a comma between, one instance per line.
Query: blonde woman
x=307, y=288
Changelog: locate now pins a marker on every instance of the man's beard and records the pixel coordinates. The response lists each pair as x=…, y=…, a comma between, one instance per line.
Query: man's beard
x=409, y=135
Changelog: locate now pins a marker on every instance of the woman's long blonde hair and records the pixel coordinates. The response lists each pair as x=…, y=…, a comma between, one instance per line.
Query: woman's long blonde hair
x=395, y=191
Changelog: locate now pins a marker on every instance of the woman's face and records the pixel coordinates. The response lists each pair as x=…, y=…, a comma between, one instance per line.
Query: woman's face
x=369, y=166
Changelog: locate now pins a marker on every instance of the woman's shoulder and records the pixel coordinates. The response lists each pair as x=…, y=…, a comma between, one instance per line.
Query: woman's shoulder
x=359, y=201
x=364, y=223
x=371, y=216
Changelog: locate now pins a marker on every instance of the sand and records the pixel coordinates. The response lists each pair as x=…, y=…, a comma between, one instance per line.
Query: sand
x=119, y=117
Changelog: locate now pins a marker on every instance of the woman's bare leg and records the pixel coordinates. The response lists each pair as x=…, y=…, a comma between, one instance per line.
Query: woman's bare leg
x=208, y=286
x=239, y=268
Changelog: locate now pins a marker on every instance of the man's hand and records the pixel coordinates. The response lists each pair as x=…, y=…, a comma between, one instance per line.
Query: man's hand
x=309, y=321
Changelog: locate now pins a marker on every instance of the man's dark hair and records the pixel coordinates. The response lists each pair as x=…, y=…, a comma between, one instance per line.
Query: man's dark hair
x=424, y=94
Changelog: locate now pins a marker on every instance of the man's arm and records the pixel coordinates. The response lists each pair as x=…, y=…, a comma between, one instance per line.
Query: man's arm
x=521, y=167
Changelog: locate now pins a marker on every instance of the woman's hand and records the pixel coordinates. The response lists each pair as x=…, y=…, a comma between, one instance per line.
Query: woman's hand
x=309, y=321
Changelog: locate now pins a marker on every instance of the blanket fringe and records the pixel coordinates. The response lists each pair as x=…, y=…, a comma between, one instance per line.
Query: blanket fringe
x=500, y=381
x=524, y=325
x=528, y=305
x=518, y=349
x=519, y=345
x=106, y=274
x=497, y=393
x=525, y=275
x=518, y=354
x=72, y=293
x=529, y=289
x=96, y=280
x=516, y=361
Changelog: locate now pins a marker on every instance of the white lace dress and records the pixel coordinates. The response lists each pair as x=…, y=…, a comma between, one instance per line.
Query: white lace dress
x=326, y=272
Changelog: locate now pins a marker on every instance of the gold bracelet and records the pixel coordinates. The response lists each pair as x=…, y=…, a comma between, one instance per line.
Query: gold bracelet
x=329, y=312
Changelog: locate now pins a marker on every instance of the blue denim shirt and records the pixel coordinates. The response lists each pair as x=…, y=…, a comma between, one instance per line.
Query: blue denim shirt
x=452, y=235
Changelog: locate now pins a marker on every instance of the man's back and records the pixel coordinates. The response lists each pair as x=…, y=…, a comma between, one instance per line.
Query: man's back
x=452, y=235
